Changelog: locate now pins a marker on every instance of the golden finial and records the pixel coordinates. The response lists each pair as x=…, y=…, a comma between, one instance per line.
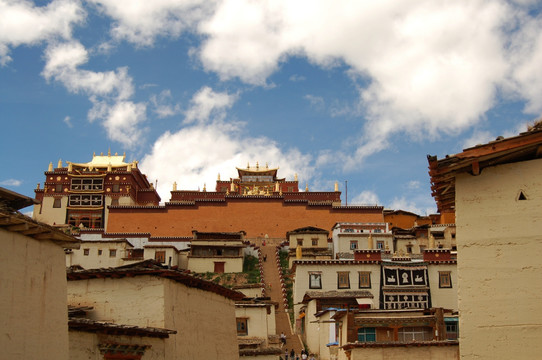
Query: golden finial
x=307, y=187
x=204, y=187
x=59, y=165
x=109, y=152
x=70, y=167
x=232, y=186
x=336, y=186
x=129, y=167
x=50, y=166
x=38, y=186
x=94, y=154
x=174, y=186
x=218, y=177
x=295, y=177
x=109, y=167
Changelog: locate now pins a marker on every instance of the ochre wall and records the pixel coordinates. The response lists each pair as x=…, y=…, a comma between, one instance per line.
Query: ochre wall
x=499, y=265
x=257, y=218
x=33, y=316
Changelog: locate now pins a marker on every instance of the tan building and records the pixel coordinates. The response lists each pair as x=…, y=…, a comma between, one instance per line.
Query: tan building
x=256, y=329
x=309, y=243
x=349, y=237
x=32, y=284
x=496, y=193
x=147, y=295
x=216, y=252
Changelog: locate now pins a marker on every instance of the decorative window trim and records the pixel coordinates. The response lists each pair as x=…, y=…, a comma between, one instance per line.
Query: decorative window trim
x=445, y=279
x=343, y=279
x=315, y=280
x=364, y=279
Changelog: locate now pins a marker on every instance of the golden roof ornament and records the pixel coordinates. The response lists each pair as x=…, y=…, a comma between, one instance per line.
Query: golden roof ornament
x=70, y=167
x=129, y=167
x=232, y=186
x=109, y=167
x=295, y=177
x=204, y=187
x=370, y=243
x=50, y=166
x=307, y=187
x=37, y=188
x=277, y=186
x=174, y=186
x=59, y=165
x=109, y=152
x=218, y=177
x=336, y=186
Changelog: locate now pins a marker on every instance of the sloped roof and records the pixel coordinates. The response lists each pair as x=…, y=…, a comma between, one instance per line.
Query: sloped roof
x=335, y=294
x=88, y=325
x=154, y=268
x=525, y=146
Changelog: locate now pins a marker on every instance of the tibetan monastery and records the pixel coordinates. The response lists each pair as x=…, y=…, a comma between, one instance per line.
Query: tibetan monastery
x=257, y=202
x=113, y=196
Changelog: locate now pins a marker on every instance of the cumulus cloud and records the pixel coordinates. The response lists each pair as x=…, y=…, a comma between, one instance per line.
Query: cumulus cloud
x=162, y=105
x=366, y=197
x=11, y=182
x=141, y=21
x=211, y=146
x=207, y=103
x=421, y=204
x=109, y=91
x=22, y=23
x=315, y=101
x=68, y=121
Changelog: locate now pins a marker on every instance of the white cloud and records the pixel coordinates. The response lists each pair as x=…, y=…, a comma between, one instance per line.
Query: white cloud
x=68, y=121
x=210, y=146
x=207, y=103
x=162, y=106
x=11, y=182
x=366, y=197
x=108, y=91
x=141, y=21
x=420, y=204
x=315, y=101
x=23, y=23
x=413, y=184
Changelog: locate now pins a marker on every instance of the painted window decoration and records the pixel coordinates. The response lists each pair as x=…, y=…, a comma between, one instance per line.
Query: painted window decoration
x=405, y=276
x=366, y=334
x=343, y=280
x=444, y=279
x=315, y=280
x=242, y=326
x=404, y=300
x=86, y=184
x=85, y=200
x=380, y=245
x=364, y=279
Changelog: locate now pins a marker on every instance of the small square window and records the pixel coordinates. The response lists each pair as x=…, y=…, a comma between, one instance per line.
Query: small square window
x=353, y=245
x=380, y=245
x=86, y=252
x=99, y=252
x=57, y=203
x=299, y=242
x=160, y=256
x=445, y=279
x=314, y=241
x=242, y=326
x=364, y=279
x=315, y=280
x=343, y=280
x=112, y=252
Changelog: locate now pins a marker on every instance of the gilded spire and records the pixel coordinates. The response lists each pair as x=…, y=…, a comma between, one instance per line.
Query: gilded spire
x=218, y=177
x=336, y=186
x=50, y=166
x=174, y=186
x=59, y=165
x=109, y=152
x=307, y=187
x=295, y=177
x=70, y=167
x=204, y=187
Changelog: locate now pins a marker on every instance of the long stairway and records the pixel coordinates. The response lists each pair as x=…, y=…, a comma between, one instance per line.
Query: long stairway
x=274, y=291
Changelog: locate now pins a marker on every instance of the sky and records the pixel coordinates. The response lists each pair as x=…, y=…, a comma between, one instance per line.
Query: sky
x=354, y=92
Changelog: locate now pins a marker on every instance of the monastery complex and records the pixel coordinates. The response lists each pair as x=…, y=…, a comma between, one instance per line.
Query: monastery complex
x=258, y=269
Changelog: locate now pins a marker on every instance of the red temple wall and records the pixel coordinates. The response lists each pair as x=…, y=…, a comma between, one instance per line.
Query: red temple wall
x=257, y=218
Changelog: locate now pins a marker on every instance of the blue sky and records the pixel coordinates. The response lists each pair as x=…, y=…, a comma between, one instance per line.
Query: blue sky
x=331, y=90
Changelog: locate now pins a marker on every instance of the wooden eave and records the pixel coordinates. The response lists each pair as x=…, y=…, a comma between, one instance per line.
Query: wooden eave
x=15, y=222
x=526, y=146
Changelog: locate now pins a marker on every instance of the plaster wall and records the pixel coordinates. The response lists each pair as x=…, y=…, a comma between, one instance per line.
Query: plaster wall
x=150, y=253
x=251, y=292
x=85, y=345
x=450, y=352
x=46, y=213
x=443, y=297
x=341, y=242
x=33, y=316
x=203, y=265
x=306, y=240
x=137, y=300
x=205, y=323
x=312, y=328
x=499, y=245
x=256, y=217
x=326, y=335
